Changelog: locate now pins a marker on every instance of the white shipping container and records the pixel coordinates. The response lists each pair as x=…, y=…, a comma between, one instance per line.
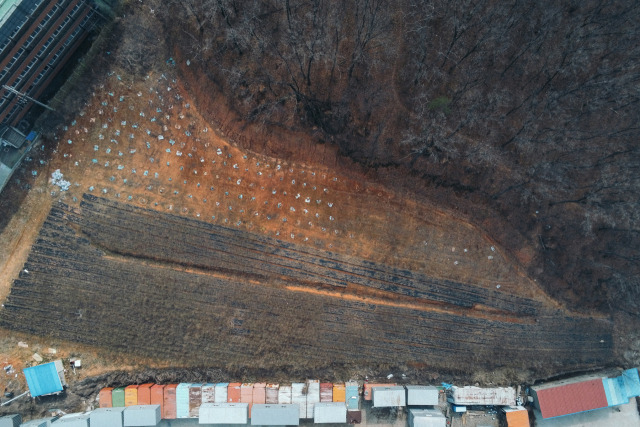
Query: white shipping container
x=426, y=418
x=209, y=393
x=497, y=396
x=141, y=415
x=13, y=420
x=299, y=396
x=284, y=394
x=422, y=395
x=330, y=412
x=224, y=413
x=275, y=415
x=73, y=420
x=221, y=393
x=384, y=397
x=313, y=396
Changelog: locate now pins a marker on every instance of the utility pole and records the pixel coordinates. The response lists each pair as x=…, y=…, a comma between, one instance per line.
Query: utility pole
x=23, y=95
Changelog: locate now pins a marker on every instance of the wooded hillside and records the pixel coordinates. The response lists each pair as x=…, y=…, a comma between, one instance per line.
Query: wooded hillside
x=521, y=115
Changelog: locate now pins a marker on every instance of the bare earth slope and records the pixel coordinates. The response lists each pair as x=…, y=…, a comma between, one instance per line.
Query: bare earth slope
x=169, y=287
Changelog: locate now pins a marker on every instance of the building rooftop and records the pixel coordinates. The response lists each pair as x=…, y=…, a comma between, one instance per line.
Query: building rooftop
x=571, y=398
x=6, y=7
x=44, y=379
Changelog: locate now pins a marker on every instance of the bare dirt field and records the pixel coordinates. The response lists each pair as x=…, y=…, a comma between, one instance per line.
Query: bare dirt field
x=173, y=247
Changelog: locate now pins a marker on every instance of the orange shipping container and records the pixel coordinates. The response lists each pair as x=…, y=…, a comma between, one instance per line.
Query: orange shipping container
x=326, y=392
x=105, y=397
x=144, y=394
x=368, y=392
x=338, y=393
x=131, y=395
x=169, y=410
x=157, y=396
x=233, y=392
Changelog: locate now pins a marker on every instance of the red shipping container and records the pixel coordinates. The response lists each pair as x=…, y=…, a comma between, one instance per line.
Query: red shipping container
x=233, y=392
x=157, y=396
x=326, y=392
x=144, y=394
x=105, y=397
x=169, y=411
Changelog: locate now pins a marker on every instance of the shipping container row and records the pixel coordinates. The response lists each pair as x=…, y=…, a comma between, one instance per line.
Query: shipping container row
x=183, y=400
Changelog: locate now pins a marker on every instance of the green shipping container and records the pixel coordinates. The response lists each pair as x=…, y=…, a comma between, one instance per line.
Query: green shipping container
x=117, y=397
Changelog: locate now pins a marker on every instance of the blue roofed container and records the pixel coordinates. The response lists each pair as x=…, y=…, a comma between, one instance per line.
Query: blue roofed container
x=107, y=417
x=182, y=400
x=299, y=396
x=141, y=416
x=221, y=392
x=10, y=420
x=224, y=413
x=330, y=412
x=352, y=395
x=620, y=389
x=73, y=420
x=275, y=415
x=209, y=393
x=44, y=379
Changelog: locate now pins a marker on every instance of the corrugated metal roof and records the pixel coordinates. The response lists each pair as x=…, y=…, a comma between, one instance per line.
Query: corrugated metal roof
x=224, y=413
x=221, y=393
x=571, y=398
x=619, y=389
x=352, y=395
x=43, y=379
x=275, y=415
x=501, y=396
x=330, y=412
x=141, y=415
x=107, y=417
x=74, y=420
x=516, y=416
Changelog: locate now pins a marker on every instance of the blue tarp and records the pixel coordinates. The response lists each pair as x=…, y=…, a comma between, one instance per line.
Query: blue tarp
x=620, y=389
x=43, y=379
x=32, y=135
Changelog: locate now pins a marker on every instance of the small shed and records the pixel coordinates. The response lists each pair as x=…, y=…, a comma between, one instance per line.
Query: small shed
x=169, y=410
x=422, y=395
x=144, y=394
x=284, y=394
x=275, y=415
x=368, y=393
x=224, y=413
x=338, y=393
x=426, y=418
x=141, y=416
x=326, y=392
x=313, y=396
x=131, y=395
x=10, y=420
x=44, y=379
x=385, y=397
x=330, y=412
x=233, y=393
x=157, y=396
x=73, y=420
x=40, y=422
x=299, y=397
x=271, y=393
x=195, y=400
x=209, y=393
x=182, y=400
x=107, y=417
x=352, y=396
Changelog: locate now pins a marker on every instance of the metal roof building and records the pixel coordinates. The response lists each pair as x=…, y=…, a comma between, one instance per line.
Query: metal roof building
x=330, y=412
x=499, y=396
x=40, y=422
x=426, y=418
x=224, y=413
x=384, y=397
x=47, y=378
x=107, y=417
x=275, y=415
x=141, y=415
x=620, y=389
x=422, y=395
x=10, y=420
x=352, y=396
